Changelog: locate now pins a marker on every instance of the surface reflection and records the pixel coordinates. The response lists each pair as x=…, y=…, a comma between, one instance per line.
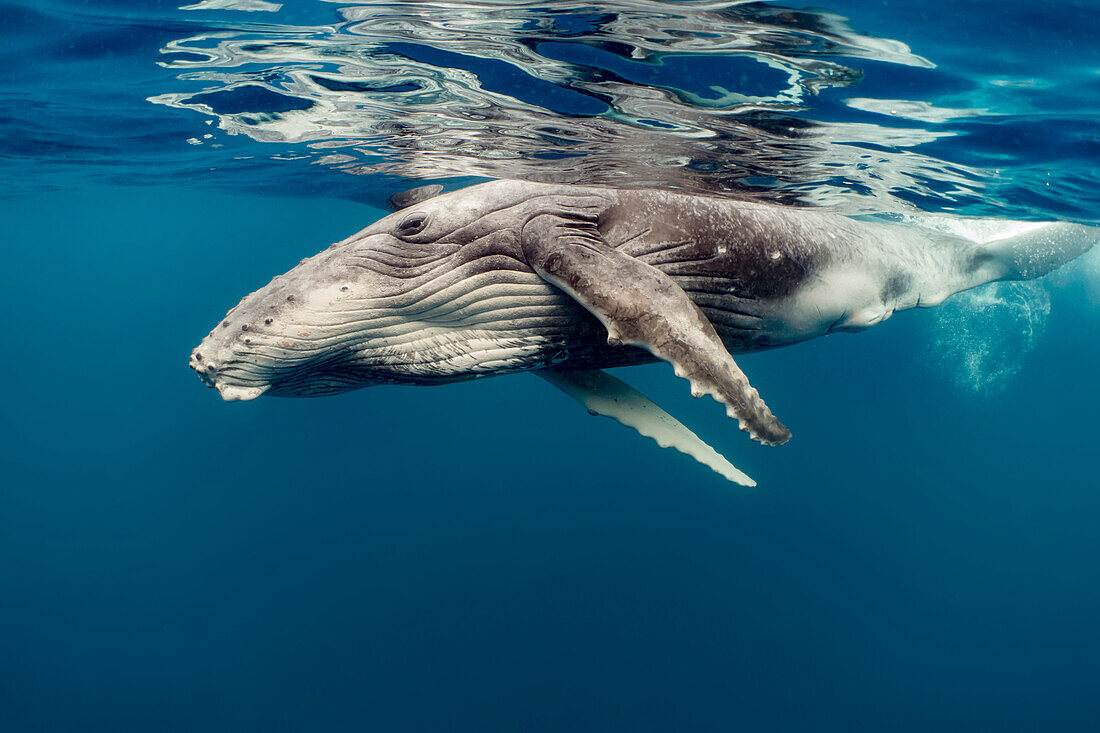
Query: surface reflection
x=699, y=96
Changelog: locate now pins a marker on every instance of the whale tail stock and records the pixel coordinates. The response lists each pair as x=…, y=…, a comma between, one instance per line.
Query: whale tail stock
x=1029, y=250
x=1014, y=250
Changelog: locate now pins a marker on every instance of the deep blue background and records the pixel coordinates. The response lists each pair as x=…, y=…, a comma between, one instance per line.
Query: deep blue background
x=486, y=556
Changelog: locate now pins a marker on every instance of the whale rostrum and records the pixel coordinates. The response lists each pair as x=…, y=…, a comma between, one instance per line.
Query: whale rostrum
x=564, y=281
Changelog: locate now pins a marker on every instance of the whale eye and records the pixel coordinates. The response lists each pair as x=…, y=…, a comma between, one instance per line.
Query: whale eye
x=412, y=225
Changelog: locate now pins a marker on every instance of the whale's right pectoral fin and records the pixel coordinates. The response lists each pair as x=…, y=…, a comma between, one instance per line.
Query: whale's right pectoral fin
x=603, y=394
x=641, y=306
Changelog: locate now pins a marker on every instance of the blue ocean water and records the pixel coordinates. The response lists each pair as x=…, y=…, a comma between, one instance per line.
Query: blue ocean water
x=924, y=554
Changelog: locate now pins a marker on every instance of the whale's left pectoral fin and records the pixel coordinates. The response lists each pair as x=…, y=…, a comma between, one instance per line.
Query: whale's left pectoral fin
x=641, y=306
x=602, y=394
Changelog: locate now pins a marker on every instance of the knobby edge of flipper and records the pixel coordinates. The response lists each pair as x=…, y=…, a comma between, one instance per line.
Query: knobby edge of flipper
x=602, y=394
x=642, y=306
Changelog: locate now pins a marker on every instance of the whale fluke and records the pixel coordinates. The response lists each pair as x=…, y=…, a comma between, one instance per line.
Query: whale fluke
x=1031, y=250
x=1009, y=249
x=602, y=394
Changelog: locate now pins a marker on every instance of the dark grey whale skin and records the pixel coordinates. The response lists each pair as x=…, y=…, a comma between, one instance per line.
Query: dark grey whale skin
x=510, y=276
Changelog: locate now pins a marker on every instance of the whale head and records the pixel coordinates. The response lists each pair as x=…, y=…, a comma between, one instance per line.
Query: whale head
x=424, y=295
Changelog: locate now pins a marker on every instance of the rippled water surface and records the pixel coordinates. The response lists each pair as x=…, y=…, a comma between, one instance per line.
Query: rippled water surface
x=980, y=109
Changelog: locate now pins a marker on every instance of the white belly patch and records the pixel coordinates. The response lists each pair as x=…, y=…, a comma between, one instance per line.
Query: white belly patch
x=839, y=299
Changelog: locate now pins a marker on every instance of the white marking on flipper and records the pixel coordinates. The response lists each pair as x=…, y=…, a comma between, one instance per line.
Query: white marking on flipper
x=603, y=394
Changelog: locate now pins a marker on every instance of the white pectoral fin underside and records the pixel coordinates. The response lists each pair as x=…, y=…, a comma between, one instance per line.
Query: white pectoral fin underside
x=603, y=394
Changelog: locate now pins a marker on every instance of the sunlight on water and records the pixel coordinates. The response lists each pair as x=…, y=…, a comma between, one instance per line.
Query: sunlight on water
x=701, y=96
x=895, y=108
x=247, y=6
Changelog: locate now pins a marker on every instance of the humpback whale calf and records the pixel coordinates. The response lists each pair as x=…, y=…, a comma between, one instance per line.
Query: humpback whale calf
x=566, y=280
